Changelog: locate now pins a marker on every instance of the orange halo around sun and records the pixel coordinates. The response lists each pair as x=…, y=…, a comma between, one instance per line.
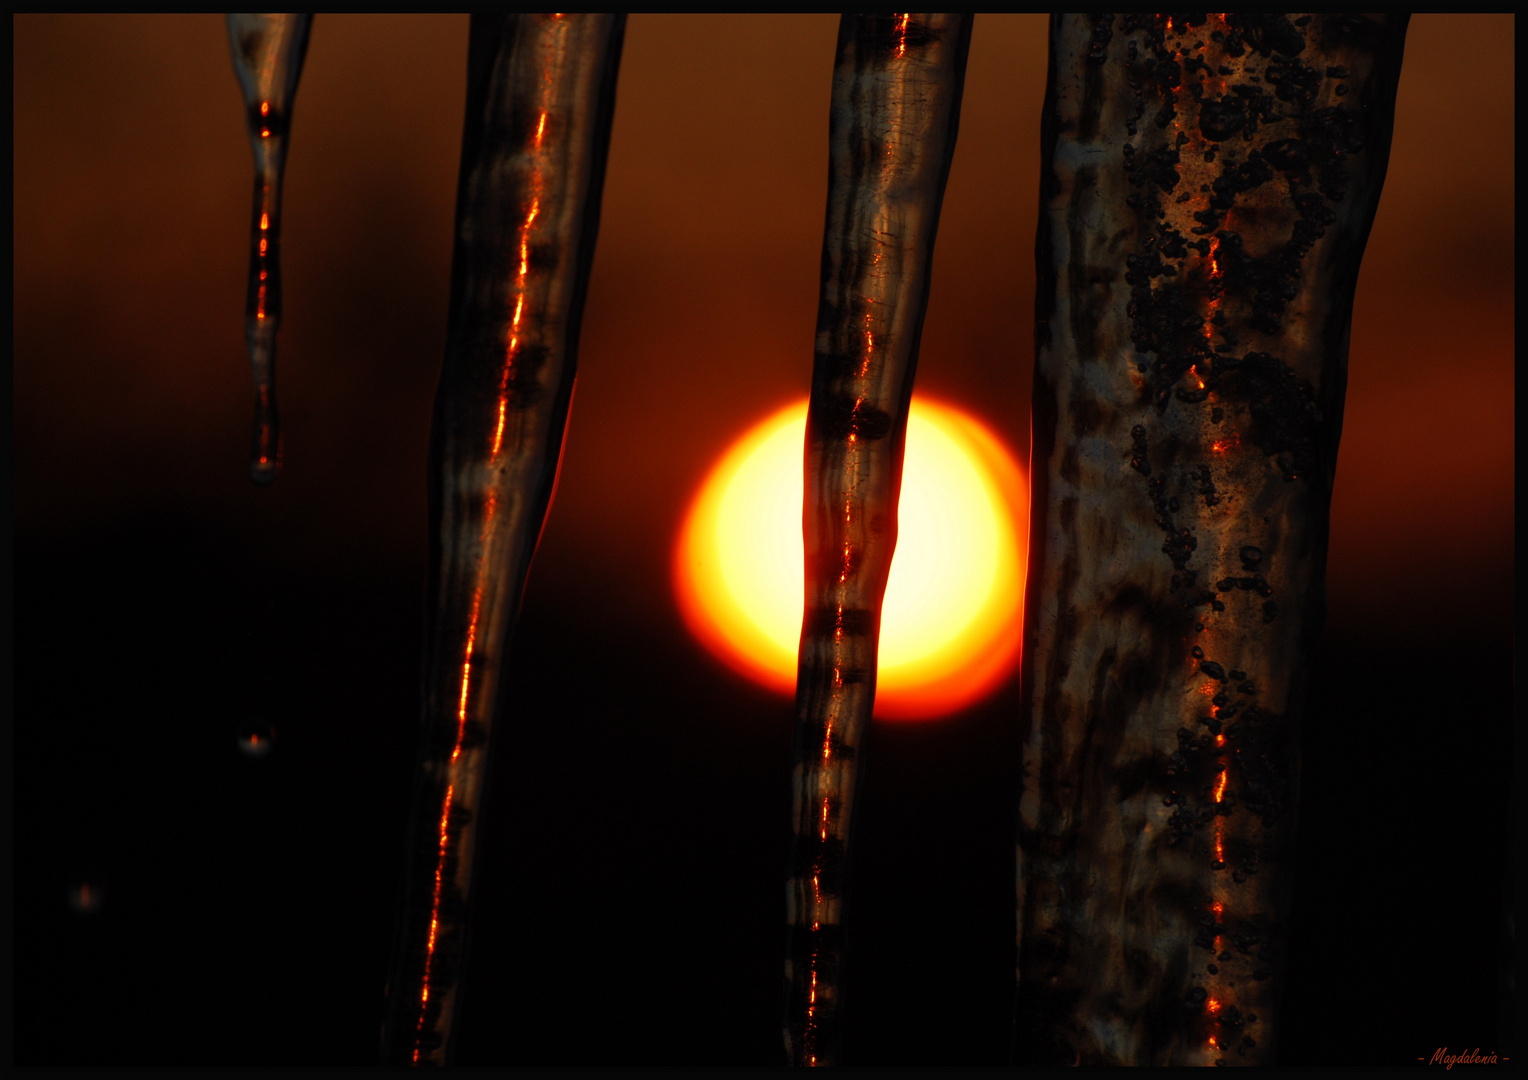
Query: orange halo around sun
x=950, y=624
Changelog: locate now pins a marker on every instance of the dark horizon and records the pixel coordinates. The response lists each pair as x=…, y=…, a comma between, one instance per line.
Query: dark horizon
x=633, y=867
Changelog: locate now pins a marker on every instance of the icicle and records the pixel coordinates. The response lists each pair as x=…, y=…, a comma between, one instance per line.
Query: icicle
x=896, y=103
x=267, y=57
x=540, y=99
x=1208, y=187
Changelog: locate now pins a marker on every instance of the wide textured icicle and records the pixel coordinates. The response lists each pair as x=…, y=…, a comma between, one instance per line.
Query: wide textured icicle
x=540, y=100
x=1208, y=186
x=267, y=57
x=896, y=103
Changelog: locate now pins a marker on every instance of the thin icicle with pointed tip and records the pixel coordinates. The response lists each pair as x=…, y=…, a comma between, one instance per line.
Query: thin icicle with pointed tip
x=267, y=57
x=540, y=100
x=896, y=104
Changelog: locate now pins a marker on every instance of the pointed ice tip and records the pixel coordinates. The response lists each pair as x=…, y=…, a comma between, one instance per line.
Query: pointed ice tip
x=265, y=441
x=263, y=470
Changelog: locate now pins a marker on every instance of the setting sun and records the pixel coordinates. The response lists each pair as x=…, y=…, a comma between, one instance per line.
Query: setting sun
x=950, y=626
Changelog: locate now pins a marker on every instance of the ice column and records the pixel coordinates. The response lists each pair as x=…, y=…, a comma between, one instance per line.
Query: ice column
x=1208, y=185
x=896, y=104
x=540, y=100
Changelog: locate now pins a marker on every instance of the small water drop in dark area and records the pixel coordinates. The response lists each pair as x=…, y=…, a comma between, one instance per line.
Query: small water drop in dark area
x=256, y=740
x=85, y=897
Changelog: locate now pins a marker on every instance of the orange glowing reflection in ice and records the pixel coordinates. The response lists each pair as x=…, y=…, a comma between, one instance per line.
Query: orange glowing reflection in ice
x=536, y=183
x=1190, y=139
x=260, y=295
x=951, y=619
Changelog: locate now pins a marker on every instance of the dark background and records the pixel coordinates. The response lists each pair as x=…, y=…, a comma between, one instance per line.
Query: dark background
x=631, y=897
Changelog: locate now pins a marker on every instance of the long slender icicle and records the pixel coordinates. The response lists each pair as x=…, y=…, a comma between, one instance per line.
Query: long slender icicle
x=896, y=105
x=1207, y=190
x=267, y=57
x=540, y=100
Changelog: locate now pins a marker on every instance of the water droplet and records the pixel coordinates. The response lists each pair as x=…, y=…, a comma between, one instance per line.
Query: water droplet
x=85, y=897
x=257, y=740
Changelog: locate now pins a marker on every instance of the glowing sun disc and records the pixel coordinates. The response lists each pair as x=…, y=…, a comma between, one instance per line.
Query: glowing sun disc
x=950, y=624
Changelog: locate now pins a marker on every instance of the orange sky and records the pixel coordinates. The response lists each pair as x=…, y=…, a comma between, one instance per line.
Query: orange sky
x=132, y=178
